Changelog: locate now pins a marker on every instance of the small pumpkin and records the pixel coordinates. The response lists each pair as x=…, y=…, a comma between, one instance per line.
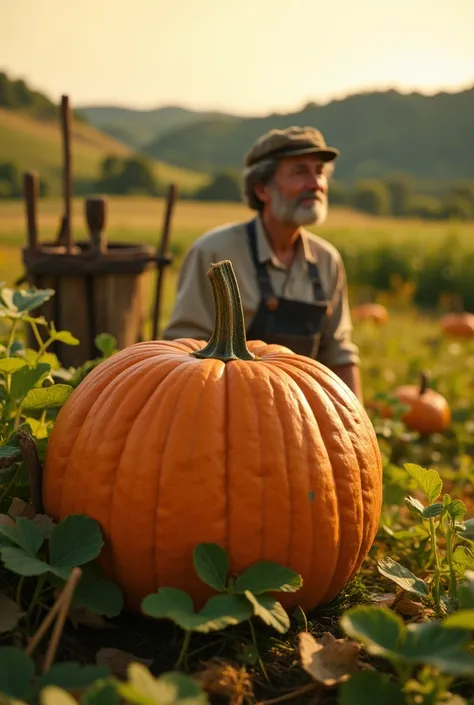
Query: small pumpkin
x=458, y=325
x=370, y=312
x=269, y=454
x=429, y=410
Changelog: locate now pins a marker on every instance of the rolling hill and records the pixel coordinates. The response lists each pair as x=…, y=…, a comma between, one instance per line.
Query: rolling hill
x=35, y=144
x=378, y=133
x=140, y=127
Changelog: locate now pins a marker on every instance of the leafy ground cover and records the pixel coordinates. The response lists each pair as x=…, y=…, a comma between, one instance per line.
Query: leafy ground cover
x=401, y=631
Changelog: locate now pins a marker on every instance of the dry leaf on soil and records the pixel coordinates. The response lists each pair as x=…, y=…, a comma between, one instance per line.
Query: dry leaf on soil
x=117, y=661
x=382, y=599
x=408, y=608
x=327, y=659
x=20, y=508
x=224, y=679
x=5, y=519
x=10, y=613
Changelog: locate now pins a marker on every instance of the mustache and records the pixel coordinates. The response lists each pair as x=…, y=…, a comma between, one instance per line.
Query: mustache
x=317, y=195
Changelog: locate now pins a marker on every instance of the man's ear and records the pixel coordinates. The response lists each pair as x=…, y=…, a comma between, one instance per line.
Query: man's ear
x=261, y=191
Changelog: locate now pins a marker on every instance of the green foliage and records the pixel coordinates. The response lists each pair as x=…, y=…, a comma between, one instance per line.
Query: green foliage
x=243, y=596
x=133, y=175
x=371, y=196
x=225, y=186
x=19, y=681
x=378, y=133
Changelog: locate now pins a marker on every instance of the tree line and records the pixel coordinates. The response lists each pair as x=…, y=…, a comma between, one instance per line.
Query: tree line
x=398, y=195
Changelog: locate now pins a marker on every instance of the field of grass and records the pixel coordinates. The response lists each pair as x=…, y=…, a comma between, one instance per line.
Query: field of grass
x=35, y=145
x=139, y=220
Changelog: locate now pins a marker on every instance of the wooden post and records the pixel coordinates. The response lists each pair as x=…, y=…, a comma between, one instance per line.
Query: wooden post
x=95, y=210
x=31, y=189
x=163, y=257
x=65, y=236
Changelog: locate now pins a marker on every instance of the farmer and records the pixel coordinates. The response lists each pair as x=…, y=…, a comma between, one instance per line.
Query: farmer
x=292, y=283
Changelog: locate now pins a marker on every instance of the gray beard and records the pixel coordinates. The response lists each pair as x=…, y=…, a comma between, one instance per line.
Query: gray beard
x=295, y=213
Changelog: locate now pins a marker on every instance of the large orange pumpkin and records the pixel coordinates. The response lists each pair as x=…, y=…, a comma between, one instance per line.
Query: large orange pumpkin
x=370, y=312
x=458, y=325
x=171, y=443
x=429, y=411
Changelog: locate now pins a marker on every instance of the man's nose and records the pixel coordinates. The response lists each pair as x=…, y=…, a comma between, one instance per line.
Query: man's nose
x=321, y=183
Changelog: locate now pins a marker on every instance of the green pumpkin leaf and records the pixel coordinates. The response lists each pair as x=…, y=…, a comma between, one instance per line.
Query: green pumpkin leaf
x=266, y=576
x=270, y=611
x=76, y=540
x=380, y=630
x=31, y=356
x=168, y=689
x=66, y=337
x=47, y=397
x=187, y=689
x=29, y=299
x=211, y=563
x=403, y=577
x=25, y=535
x=16, y=672
x=52, y=695
x=9, y=451
x=370, y=686
x=221, y=611
x=11, y=364
x=463, y=619
x=95, y=593
x=429, y=481
x=72, y=675
x=19, y=562
x=463, y=559
x=26, y=378
x=166, y=601
x=101, y=693
x=431, y=643
x=106, y=343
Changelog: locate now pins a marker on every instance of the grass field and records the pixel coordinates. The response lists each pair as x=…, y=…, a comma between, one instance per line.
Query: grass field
x=136, y=219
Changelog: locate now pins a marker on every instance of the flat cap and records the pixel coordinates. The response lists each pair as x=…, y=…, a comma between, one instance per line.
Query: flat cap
x=290, y=142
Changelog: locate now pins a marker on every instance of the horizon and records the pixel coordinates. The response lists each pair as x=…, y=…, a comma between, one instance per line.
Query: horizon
x=219, y=59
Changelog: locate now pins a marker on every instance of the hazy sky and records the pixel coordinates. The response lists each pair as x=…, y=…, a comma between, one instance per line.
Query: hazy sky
x=246, y=56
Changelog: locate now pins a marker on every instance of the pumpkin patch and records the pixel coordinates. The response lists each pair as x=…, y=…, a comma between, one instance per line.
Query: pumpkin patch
x=266, y=453
x=428, y=412
x=370, y=312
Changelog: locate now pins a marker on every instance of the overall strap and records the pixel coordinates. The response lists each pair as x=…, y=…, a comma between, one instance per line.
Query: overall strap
x=263, y=277
x=318, y=290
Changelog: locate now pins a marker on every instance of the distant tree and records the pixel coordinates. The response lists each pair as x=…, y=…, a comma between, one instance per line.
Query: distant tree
x=337, y=193
x=7, y=92
x=455, y=208
x=371, y=196
x=464, y=192
x=10, y=180
x=225, y=186
x=400, y=190
x=424, y=207
x=126, y=176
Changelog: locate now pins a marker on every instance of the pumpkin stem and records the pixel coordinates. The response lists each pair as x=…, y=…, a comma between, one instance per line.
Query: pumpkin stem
x=424, y=382
x=228, y=341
